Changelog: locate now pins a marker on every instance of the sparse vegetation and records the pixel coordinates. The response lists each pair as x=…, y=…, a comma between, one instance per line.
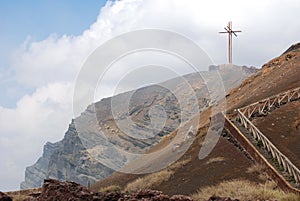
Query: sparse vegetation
x=246, y=190
x=111, y=188
x=260, y=170
x=179, y=164
x=260, y=143
x=154, y=179
x=19, y=197
x=216, y=159
x=149, y=181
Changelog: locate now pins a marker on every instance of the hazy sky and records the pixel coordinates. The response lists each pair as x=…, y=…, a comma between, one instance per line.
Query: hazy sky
x=45, y=43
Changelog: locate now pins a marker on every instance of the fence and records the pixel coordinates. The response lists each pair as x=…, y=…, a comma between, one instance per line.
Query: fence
x=287, y=165
x=257, y=156
x=261, y=107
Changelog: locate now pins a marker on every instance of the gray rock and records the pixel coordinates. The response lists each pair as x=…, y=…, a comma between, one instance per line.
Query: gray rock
x=96, y=137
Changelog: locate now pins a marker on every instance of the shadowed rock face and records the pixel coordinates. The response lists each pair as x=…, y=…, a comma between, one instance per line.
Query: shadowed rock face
x=71, y=158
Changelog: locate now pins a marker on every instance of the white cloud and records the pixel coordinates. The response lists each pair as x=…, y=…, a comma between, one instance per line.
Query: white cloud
x=41, y=117
x=51, y=66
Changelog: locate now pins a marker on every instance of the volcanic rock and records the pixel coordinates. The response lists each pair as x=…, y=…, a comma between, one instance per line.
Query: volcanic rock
x=53, y=190
x=4, y=197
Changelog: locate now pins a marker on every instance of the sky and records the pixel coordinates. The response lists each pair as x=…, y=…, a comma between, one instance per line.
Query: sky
x=45, y=43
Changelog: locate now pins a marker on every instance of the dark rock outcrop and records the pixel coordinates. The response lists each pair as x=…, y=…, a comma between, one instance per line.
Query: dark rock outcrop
x=55, y=190
x=4, y=197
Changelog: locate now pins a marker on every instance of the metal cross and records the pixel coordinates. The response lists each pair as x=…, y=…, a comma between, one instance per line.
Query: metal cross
x=229, y=31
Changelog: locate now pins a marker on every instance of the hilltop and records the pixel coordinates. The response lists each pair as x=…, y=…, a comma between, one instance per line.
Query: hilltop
x=278, y=75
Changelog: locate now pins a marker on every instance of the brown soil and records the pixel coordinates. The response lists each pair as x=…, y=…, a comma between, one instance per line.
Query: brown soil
x=201, y=173
x=278, y=75
x=197, y=173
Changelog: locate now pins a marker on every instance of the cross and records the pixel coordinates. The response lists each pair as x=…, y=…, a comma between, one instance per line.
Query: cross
x=229, y=31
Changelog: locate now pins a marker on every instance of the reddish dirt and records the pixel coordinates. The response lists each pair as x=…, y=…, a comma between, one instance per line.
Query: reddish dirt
x=282, y=127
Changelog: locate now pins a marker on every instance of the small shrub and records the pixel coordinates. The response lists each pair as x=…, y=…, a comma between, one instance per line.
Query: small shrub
x=260, y=143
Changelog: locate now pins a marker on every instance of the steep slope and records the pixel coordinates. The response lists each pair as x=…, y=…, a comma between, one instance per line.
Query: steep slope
x=278, y=75
x=74, y=159
x=225, y=162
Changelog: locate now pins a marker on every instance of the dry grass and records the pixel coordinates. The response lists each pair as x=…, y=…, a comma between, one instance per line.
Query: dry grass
x=19, y=197
x=216, y=159
x=260, y=170
x=23, y=194
x=245, y=190
x=256, y=168
x=111, y=188
x=149, y=181
x=179, y=164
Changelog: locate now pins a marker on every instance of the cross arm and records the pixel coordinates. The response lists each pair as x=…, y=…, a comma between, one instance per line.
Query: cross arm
x=234, y=32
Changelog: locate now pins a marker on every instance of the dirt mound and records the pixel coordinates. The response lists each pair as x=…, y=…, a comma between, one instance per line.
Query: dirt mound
x=4, y=197
x=56, y=190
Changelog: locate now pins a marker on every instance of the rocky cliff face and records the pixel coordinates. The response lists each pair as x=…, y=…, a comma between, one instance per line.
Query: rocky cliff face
x=96, y=137
x=67, y=159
